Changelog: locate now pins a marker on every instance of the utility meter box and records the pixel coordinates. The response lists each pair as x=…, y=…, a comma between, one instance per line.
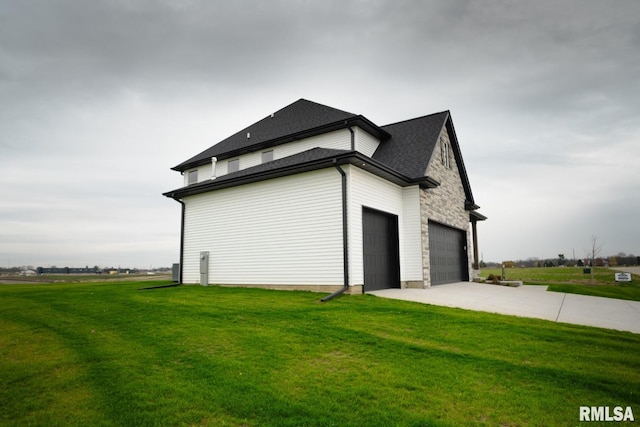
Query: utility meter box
x=204, y=268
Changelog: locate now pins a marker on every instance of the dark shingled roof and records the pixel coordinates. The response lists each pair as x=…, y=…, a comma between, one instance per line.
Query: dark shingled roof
x=403, y=155
x=411, y=144
x=301, y=119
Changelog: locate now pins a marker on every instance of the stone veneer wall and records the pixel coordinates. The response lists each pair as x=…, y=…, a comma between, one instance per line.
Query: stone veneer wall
x=444, y=204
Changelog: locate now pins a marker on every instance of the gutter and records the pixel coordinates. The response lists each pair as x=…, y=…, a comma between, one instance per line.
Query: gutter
x=354, y=158
x=345, y=237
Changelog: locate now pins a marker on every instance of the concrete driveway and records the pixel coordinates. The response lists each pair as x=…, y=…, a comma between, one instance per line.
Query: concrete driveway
x=527, y=301
x=632, y=270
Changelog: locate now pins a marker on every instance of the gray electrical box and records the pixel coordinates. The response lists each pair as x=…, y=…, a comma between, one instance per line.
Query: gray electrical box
x=204, y=268
x=175, y=272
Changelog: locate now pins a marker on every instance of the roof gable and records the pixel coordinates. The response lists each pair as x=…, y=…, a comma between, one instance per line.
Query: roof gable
x=411, y=144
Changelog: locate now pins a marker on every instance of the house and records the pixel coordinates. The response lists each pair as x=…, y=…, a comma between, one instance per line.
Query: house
x=316, y=198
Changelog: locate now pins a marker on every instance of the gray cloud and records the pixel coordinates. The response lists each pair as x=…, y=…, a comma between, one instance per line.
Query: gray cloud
x=99, y=99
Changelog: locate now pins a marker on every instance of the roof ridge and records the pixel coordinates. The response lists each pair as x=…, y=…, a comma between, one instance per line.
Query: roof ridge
x=273, y=114
x=448, y=112
x=327, y=106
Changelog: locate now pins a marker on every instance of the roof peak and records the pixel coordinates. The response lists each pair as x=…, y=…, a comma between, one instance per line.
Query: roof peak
x=317, y=104
x=447, y=112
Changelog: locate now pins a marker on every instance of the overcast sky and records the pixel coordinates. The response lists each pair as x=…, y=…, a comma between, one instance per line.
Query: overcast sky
x=98, y=99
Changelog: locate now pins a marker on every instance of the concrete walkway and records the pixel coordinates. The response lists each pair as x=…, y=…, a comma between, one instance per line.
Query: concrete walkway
x=632, y=270
x=528, y=301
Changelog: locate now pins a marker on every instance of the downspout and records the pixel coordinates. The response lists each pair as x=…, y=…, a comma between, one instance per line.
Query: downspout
x=182, y=215
x=353, y=139
x=345, y=237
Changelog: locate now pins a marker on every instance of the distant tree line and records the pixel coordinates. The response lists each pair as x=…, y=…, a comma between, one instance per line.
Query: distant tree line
x=624, y=260
x=68, y=270
x=16, y=270
x=619, y=260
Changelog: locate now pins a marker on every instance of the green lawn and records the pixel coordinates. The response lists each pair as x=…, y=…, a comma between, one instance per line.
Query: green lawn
x=85, y=278
x=573, y=280
x=111, y=355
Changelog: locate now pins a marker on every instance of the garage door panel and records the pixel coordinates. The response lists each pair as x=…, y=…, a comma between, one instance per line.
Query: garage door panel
x=381, y=250
x=447, y=254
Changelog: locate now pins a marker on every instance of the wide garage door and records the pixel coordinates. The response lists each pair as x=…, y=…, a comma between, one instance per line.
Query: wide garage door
x=381, y=253
x=447, y=254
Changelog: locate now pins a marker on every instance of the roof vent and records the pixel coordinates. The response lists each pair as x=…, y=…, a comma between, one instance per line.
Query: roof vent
x=272, y=115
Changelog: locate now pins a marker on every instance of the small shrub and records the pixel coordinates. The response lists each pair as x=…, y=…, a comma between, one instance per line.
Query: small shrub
x=494, y=278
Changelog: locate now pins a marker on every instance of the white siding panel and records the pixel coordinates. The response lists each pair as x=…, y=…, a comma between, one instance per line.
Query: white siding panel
x=338, y=140
x=412, y=234
x=250, y=160
x=367, y=190
x=281, y=231
x=204, y=173
x=221, y=167
x=365, y=142
x=246, y=161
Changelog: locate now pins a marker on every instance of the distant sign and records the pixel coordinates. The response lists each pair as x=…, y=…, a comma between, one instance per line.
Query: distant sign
x=623, y=277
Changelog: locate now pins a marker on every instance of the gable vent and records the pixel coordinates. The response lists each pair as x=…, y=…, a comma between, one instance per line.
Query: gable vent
x=248, y=135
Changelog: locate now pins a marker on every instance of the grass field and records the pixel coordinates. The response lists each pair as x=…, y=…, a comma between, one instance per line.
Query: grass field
x=81, y=278
x=573, y=280
x=109, y=354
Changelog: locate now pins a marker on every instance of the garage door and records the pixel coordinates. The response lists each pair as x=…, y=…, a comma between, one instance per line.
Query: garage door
x=381, y=253
x=447, y=254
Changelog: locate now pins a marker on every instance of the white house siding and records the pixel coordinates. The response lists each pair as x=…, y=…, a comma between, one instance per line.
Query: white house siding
x=444, y=204
x=367, y=190
x=246, y=161
x=412, y=260
x=204, y=173
x=365, y=142
x=283, y=231
x=339, y=139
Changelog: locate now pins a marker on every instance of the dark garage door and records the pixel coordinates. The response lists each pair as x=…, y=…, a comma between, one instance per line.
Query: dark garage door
x=447, y=254
x=381, y=253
